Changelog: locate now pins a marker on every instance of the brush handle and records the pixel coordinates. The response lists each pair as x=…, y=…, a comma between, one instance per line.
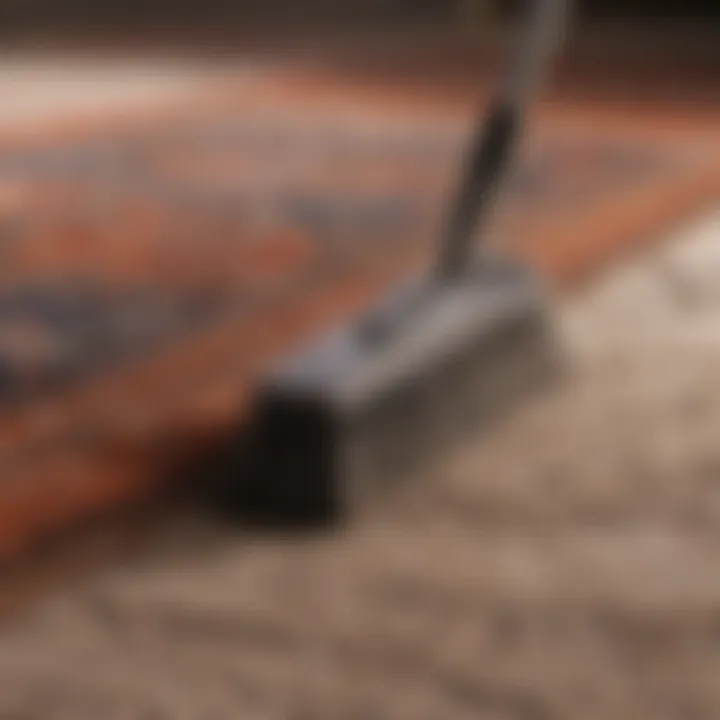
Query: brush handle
x=492, y=149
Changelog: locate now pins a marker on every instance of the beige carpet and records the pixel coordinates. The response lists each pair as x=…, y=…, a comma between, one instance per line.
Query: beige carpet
x=563, y=566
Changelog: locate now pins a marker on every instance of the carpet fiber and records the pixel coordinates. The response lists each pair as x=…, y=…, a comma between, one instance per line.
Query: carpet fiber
x=563, y=566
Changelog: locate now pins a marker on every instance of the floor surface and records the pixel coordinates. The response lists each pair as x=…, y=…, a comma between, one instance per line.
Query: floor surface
x=561, y=566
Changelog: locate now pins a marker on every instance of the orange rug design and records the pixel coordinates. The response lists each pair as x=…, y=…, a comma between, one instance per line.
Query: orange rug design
x=149, y=270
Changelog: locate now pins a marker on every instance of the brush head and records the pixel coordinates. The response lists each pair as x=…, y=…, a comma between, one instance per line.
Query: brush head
x=369, y=403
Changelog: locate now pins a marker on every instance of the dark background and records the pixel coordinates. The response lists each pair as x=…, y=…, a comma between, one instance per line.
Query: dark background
x=62, y=14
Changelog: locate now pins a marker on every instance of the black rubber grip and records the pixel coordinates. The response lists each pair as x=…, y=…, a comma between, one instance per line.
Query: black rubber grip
x=489, y=157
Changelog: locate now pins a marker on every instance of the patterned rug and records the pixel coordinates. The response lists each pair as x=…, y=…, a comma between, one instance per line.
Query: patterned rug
x=148, y=271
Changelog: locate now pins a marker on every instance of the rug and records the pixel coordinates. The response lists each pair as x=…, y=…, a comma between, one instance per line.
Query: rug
x=150, y=269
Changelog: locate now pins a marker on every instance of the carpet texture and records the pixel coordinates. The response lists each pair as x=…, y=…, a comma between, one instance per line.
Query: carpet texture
x=562, y=566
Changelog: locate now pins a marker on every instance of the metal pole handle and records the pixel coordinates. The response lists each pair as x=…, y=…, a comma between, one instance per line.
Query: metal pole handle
x=496, y=138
